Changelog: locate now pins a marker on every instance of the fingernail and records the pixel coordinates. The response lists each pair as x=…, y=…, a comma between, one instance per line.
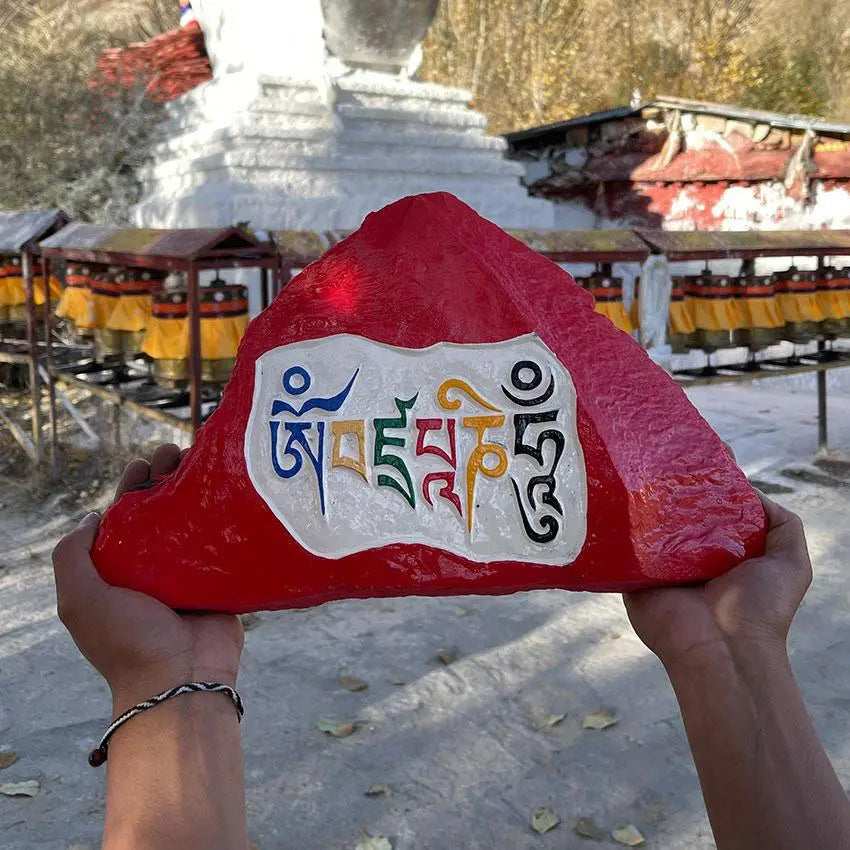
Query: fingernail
x=90, y=518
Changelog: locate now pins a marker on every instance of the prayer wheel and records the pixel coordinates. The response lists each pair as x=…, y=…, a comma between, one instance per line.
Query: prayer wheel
x=14, y=298
x=76, y=305
x=711, y=302
x=123, y=309
x=762, y=319
x=224, y=318
x=796, y=293
x=680, y=323
x=608, y=292
x=833, y=294
x=9, y=270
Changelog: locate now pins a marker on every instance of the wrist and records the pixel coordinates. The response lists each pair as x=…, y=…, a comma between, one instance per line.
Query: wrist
x=747, y=655
x=142, y=684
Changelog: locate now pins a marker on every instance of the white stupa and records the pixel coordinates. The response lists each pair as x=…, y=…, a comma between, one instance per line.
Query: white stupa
x=312, y=120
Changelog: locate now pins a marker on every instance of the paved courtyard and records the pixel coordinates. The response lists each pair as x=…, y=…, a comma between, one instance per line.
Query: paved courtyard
x=469, y=749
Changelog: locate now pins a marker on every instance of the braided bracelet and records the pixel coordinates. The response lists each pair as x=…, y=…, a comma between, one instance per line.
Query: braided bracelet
x=98, y=756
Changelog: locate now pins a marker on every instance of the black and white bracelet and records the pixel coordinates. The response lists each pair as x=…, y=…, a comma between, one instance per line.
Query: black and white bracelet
x=98, y=756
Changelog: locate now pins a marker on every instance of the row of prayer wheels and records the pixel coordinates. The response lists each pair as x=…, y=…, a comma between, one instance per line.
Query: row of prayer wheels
x=710, y=311
x=128, y=311
x=13, y=294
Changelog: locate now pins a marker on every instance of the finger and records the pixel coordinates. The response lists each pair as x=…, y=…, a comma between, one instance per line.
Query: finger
x=136, y=473
x=184, y=453
x=785, y=533
x=164, y=460
x=78, y=584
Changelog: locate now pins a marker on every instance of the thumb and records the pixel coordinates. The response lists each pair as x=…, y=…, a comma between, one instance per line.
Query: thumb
x=78, y=584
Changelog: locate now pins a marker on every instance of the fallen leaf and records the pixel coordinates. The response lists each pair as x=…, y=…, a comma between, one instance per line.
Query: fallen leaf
x=352, y=683
x=339, y=729
x=373, y=842
x=547, y=721
x=628, y=835
x=586, y=828
x=447, y=656
x=27, y=788
x=7, y=759
x=543, y=820
x=602, y=719
x=379, y=790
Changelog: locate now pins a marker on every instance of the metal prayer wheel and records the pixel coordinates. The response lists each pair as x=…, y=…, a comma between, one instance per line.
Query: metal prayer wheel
x=833, y=286
x=796, y=284
x=6, y=270
x=219, y=303
x=756, y=288
x=216, y=303
x=677, y=340
x=79, y=277
x=704, y=293
x=108, y=341
x=16, y=306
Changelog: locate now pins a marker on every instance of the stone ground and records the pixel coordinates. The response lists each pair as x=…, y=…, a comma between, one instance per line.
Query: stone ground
x=457, y=745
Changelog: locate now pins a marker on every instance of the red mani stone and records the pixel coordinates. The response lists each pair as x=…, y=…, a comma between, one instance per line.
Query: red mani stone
x=665, y=503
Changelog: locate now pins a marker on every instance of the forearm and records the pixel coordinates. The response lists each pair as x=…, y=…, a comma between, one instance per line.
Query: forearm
x=766, y=779
x=175, y=778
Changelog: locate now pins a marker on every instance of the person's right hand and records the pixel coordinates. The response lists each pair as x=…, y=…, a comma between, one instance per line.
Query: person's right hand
x=754, y=602
x=139, y=645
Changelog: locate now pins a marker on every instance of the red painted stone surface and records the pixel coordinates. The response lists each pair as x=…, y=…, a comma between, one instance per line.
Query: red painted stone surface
x=665, y=503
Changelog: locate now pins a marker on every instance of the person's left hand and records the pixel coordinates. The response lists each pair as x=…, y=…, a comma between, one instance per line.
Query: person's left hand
x=139, y=645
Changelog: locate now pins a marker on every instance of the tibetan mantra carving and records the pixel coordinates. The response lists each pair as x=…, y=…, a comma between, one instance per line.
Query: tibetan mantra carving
x=470, y=448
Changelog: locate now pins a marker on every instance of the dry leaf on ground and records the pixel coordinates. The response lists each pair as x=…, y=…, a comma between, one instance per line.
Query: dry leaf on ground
x=337, y=728
x=352, y=683
x=27, y=788
x=547, y=721
x=447, y=656
x=7, y=758
x=586, y=828
x=379, y=790
x=373, y=842
x=544, y=819
x=602, y=719
x=628, y=835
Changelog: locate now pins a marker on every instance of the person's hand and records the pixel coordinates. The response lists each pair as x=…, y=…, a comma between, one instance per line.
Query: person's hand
x=753, y=603
x=139, y=645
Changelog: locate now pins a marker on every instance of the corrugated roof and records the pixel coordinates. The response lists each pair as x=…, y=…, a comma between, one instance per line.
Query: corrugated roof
x=698, y=245
x=186, y=245
x=780, y=120
x=599, y=246
x=20, y=229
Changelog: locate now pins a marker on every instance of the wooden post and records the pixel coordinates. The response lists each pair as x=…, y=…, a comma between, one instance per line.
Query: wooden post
x=32, y=339
x=194, y=349
x=48, y=351
x=265, y=295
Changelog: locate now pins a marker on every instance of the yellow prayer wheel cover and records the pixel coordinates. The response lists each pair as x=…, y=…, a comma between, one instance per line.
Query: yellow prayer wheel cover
x=616, y=312
x=711, y=302
x=15, y=291
x=680, y=319
x=168, y=339
x=103, y=307
x=762, y=313
x=220, y=336
x=833, y=293
x=131, y=313
x=77, y=305
x=799, y=307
